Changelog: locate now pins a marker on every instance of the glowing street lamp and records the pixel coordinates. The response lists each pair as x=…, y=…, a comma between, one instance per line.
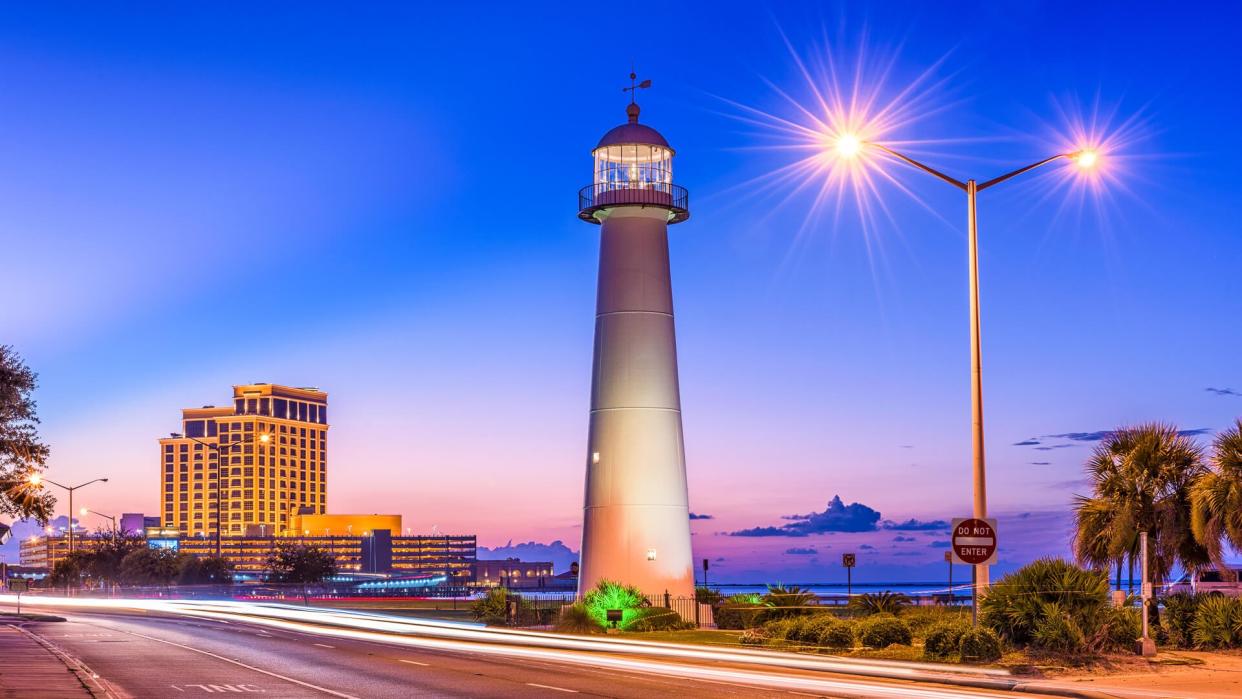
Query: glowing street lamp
x=87, y=511
x=849, y=146
x=38, y=480
x=220, y=451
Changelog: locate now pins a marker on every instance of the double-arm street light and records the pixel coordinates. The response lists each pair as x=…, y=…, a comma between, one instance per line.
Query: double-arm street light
x=850, y=146
x=221, y=450
x=38, y=479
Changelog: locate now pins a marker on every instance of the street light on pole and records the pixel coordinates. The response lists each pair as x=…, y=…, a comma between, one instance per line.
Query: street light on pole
x=220, y=452
x=87, y=511
x=38, y=479
x=849, y=146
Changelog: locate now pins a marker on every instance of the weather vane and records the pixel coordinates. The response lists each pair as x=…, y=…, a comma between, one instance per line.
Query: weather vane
x=633, y=88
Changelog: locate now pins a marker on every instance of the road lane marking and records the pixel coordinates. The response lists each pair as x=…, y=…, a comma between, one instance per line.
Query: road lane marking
x=548, y=686
x=323, y=645
x=239, y=663
x=413, y=662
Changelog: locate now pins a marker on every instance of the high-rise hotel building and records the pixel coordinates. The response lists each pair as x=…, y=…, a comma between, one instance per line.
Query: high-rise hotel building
x=266, y=455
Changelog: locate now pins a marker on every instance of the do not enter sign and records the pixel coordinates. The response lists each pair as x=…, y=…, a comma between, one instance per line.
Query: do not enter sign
x=974, y=541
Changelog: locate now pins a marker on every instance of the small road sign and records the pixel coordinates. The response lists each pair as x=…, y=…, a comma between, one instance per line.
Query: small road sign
x=19, y=585
x=974, y=541
x=847, y=560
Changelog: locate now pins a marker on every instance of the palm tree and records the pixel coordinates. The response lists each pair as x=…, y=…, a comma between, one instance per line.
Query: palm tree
x=1141, y=478
x=1216, y=497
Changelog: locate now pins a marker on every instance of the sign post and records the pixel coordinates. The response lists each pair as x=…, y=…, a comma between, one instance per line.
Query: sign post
x=847, y=560
x=974, y=544
x=948, y=558
x=704, y=572
x=18, y=586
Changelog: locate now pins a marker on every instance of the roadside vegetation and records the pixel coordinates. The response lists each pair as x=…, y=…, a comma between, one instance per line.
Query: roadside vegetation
x=121, y=560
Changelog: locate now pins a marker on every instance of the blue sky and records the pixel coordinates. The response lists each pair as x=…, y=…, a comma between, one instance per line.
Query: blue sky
x=380, y=201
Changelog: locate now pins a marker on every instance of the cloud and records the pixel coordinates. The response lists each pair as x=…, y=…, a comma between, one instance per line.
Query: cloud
x=694, y=516
x=1105, y=434
x=837, y=517
x=557, y=552
x=1041, y=463
x=1026, y=443
x=904, y=538
x=1054, y=446
x=915, y=525
x=866, y=547
x=911, y=446
x=1076, y=483
x=1223, y=391
x=938, y=545
x=801, y=551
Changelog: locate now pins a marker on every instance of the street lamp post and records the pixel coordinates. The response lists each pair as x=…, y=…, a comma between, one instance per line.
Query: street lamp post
x=87, y=511
x=220, y=465
x=37, y=479
x=849, y=146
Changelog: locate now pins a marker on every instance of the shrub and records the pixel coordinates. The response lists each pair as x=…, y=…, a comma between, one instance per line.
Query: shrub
x=739, y=612
x=1178, y=619
x=779, y=628
x=613, y=595
x=706, y=595
x=883, y=630
x=812, y=627
x=1121, y=628
x=880, y=603
x=838, y=635
x=1218, y=622
x=979, y=646
x=1014, y=606
x=576, y=619
x=491, y=608
x=943, y=640
x=1057, y=631
x=783, y=602
x=657, y=619
x=755, y=637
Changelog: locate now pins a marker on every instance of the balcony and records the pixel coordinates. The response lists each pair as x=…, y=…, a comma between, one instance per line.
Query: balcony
x=670, y=197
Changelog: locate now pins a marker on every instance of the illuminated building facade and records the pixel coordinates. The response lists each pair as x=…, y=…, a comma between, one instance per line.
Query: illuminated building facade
x=513, y=572
x=636, y=519
x=273, y=442
x=45, y=551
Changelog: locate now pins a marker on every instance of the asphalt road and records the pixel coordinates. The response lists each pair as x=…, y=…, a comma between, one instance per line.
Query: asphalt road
x=148, y=654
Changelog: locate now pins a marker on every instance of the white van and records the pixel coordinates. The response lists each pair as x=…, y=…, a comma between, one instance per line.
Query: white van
x=1210, y=581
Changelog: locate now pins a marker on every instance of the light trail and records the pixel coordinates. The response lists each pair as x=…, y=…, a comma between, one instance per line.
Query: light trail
x=670, y=660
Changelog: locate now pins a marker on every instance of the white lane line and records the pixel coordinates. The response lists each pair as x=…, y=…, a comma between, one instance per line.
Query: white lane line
x=239, y=663
x=413, y=662
x=323, y=645
x=548, y=686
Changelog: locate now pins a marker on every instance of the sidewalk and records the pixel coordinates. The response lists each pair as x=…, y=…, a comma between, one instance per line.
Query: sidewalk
x=27, y=669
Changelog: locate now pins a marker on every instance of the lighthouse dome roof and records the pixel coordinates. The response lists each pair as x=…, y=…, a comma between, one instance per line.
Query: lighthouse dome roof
x=633, y=132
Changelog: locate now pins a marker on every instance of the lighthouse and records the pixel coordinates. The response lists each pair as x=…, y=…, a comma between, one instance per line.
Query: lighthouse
x=636, y=519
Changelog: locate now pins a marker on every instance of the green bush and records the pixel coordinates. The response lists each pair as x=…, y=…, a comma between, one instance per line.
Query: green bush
x=883, y=630
x=1014, y=606
x=1178, y=618
x=784, y=602
x=706, y=595
x=491, y=608
x=779, y=628
x=812, y=627
x=1057, y=631
x=657, y=619
x=1218, y=622
x=1122, y=627
x=739, y=612
x=837, y=635
x=979, y=645
x=576, y=619
x=613, y=595
x=880, y=603
x=943, y=640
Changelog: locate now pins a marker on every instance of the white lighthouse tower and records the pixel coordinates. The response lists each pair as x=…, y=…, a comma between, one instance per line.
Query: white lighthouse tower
x=636, y=520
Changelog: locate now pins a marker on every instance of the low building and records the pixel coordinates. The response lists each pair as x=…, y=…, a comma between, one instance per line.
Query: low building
x=377, y=551
x=45, y=551
x=512, y=572
x=309, y=524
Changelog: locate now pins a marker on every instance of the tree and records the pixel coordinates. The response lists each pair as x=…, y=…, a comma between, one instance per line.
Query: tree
x=300, y=564
x=21, y=452
x=1216, y=497
x=104, y=562
x=148, y=566
x=1141, y=478
x=69, y=571
x=205, y=570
